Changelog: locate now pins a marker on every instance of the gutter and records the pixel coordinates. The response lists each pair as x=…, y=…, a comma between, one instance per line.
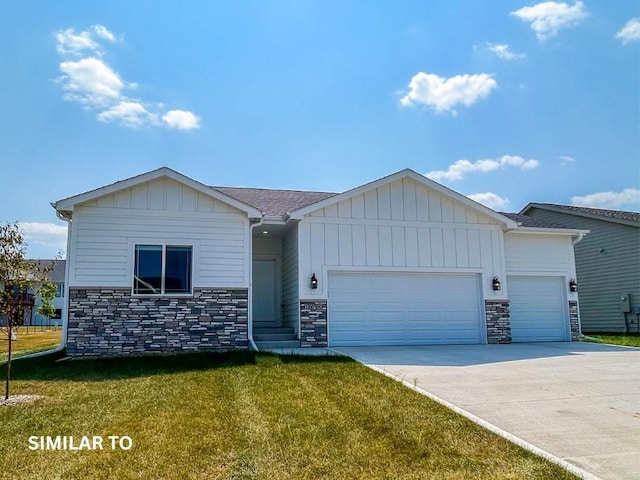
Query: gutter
x=579, y=238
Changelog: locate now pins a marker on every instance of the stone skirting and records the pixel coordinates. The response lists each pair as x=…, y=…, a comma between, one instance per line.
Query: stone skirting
x=110, y=321
x=313, y=323
x=574, y=320
x=498, y=321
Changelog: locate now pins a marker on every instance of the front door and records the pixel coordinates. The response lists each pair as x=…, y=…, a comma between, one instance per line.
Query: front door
x=265, y=290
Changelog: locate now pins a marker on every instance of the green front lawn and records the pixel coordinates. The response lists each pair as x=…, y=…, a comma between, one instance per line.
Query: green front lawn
x=245, y=416
x=30, y=340
x=630, y=339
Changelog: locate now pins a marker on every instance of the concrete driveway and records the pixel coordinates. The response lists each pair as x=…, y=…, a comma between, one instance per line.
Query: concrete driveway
x=578, y=401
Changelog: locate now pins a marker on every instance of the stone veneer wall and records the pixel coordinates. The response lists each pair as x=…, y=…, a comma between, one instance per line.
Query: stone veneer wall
x=574, y=320
x=313, y=323
x=110, y=321
x=498, y=321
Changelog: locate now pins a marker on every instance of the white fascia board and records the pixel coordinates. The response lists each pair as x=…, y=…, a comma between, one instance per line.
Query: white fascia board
x=506, y=222
x=549, y=231
x=69, y=203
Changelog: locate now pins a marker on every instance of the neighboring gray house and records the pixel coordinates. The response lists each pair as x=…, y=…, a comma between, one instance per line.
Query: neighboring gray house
x=163, y=263
x=607, y=263
x=56, y=276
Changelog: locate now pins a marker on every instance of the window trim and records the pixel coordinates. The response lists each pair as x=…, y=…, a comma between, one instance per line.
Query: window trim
x=163, y=269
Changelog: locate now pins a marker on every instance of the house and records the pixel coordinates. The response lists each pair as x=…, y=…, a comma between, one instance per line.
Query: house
x=56, y=276
x=163, y=263
x=607, y=263
x=32, y=301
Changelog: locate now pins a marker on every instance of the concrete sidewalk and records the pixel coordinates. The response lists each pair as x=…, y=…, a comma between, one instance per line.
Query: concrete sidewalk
x=578, y=401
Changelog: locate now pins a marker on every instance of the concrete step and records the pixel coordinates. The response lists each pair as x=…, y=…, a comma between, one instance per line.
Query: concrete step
x=267, y=324
x=261, y=331
x=272, y=337
x=278, y=344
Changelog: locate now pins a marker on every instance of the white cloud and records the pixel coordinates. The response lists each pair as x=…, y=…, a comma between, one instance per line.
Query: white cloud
x=567, y=160
x=103, y=32
x=630, y=32
x=547, y=18
x=504, y=52
x=181, y=120
x=130, y=114
x=92, y=82
x=443, y=94
x=460, y=168
x=489, y=199
x=48, y=235
x=629, y=197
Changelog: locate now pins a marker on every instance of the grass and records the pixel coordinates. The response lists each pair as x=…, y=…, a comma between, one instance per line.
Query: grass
x=630, y=339
x=31, y=340
x=246, y=416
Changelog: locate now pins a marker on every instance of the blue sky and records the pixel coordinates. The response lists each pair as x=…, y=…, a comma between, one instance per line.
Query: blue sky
x=507, y=102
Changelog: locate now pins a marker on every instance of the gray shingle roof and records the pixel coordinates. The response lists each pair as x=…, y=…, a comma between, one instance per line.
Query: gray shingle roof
x=274, y=202
x=598, y=212
x=57, y=274
x=526, y=221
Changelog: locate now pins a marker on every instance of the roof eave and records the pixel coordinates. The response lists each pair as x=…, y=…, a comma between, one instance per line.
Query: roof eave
x=550, y=231
x=577, y=213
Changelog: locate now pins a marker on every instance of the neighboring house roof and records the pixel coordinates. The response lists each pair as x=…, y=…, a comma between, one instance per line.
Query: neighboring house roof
x=616, y=216
x=68, y=204
x=274, y=202
x=530, y=222
x=56, y=275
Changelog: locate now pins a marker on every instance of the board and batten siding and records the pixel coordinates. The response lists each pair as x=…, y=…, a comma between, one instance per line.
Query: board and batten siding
x=607, y=265
x=290, y=295
x=161, y=211
x=400, y=226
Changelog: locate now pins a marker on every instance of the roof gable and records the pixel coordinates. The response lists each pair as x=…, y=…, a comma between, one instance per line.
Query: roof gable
x=402, y=174
x=615, y=216
x=69, y=203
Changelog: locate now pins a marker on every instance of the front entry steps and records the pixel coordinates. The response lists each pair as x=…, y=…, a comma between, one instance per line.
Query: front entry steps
x=268, y=335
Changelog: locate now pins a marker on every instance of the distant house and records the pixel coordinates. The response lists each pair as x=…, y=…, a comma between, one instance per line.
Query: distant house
x=607, y=263
x=56, y=276
x=33, y=301
x=163, y=263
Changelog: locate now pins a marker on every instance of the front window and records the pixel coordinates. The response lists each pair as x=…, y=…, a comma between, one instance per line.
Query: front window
x=161, y=269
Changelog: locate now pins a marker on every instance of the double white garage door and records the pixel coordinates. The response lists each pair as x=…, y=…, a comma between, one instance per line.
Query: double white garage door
x=422, y=309
x=404, y=309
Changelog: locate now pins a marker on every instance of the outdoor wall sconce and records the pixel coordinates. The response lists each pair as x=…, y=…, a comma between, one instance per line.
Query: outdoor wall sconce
x=573, y=285
x=314, y=282
x=496, y=284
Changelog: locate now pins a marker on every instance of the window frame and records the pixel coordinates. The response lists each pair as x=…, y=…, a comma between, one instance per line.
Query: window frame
x=163, y=267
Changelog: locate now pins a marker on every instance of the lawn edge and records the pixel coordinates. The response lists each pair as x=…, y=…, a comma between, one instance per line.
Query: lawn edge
x=571, y=468
x=588, y=339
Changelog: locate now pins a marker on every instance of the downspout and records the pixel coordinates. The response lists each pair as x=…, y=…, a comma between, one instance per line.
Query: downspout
x=65, y=305
x=252, y=344
x=578, y=239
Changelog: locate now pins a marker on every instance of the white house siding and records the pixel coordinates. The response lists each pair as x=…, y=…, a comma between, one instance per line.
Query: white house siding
x=290, y=279
x=539, y=254
x=401, y=226
x=105, y=231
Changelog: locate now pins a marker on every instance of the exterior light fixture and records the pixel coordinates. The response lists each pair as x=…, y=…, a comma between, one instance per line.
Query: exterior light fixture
x=496, y=284
x=573, y=285
x=314, y=282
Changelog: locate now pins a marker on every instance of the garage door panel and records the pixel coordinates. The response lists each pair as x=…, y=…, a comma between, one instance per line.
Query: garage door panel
x=403, y=309
x=538, y=309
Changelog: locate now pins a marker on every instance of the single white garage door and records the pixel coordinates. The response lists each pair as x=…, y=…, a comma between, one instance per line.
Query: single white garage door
x=403, y=309
x=538, y=309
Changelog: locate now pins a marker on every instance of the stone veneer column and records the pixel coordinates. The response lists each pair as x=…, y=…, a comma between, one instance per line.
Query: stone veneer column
x=574, y=320
x=498, y=321
x=110, y=321
x=313, y=323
